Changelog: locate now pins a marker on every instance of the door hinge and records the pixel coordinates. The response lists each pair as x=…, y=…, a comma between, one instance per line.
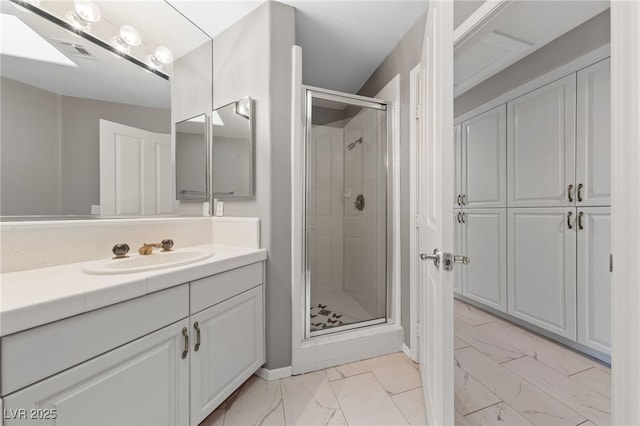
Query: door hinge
x=417, y=111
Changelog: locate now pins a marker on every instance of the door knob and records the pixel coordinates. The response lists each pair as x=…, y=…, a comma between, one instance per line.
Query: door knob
x=435, y=257
x=447, y=259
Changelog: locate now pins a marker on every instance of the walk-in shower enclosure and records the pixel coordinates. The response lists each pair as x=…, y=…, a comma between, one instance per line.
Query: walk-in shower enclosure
x=346, y=205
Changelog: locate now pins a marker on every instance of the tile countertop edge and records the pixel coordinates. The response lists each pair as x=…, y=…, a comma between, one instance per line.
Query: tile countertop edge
x=19, y=311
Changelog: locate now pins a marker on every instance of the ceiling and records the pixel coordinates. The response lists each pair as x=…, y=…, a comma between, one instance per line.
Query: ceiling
x=343, y=41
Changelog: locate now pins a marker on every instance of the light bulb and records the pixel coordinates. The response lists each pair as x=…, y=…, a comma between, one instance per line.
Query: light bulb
x=84, y=14
x=128, y=37
x=163, y=55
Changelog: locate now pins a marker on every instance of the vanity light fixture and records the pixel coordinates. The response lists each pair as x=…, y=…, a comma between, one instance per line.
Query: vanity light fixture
x=162, y=56
x=84, y=14
x=34, y=3
x=127, y=38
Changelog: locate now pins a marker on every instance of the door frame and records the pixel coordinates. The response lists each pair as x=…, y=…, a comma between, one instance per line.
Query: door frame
x=625, y=181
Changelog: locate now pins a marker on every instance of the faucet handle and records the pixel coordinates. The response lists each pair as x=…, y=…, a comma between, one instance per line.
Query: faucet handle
x=120, y=250
x=167, y=244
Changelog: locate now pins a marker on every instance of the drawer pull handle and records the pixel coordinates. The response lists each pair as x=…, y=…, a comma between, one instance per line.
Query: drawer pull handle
x=463, y=221
x=185, y=333
x=197, y=327
x=459, y=198
x=459, y=217
x=580, y=221
x=569, y=193
x=580, y=186
x=569, y=220
x=464, y=199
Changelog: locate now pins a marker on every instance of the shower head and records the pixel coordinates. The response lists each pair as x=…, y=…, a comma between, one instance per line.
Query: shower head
x=354, y=143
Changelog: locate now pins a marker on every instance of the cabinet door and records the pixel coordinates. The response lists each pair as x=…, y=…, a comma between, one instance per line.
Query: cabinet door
x=542, y=268
x=145, y=382
x=593, y=169
x=541, y=146
x=594, y=281
x=484, y=241
x=458, y=249
x=231, y=350
x=457, y=166
x=484, y=159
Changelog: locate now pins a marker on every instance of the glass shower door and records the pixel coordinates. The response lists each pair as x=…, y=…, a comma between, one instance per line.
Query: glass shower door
x=346, y=212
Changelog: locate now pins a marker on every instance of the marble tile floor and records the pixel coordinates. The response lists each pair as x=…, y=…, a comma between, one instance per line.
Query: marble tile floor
x=379, y=391
x=503, y=375
x=506, y=375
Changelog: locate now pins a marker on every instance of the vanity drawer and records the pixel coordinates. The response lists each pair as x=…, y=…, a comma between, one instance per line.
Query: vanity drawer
x=209, y=291
x=40, y=352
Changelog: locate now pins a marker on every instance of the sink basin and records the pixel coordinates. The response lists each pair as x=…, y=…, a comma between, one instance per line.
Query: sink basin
x=139, y=263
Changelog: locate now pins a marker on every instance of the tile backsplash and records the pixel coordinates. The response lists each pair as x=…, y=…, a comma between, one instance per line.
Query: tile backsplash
x=30, y=245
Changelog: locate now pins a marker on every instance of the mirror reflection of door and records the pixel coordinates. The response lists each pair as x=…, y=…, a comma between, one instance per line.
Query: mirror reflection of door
x=191, y=159
x=135, y=171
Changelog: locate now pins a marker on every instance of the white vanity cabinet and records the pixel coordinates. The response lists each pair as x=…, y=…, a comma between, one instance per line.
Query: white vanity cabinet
x=480, y=160
x=542, y=268
x=482, y=236
x=166, y=358
x=594, y=281
x=227, y=337
x=541, y=146
x=145, y=382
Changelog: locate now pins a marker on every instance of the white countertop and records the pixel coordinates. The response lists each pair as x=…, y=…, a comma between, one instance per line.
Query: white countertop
x=39, y=296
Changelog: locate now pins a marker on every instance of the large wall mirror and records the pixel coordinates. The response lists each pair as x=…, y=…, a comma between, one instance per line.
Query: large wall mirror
x=233, y=150
x=63, y=94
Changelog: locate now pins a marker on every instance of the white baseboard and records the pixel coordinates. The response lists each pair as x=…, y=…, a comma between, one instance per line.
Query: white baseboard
x=271, y=375
x=409, y=352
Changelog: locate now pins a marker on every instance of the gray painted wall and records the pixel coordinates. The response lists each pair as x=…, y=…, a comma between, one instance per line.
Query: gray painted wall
x=575, y=43
x=253, y=58
x=402, y=59
x=30, y=150
x=50, y=147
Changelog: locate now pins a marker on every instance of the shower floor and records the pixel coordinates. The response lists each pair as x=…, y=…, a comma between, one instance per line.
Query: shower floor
x=332, y=308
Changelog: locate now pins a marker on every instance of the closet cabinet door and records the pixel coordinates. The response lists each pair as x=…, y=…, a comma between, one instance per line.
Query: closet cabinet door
x=484, y=159
x=541, y=146
x=593, y=170
x=542, y=268
x=594, y=281
x=457, y=166
x=484, y=241
x=231, y=349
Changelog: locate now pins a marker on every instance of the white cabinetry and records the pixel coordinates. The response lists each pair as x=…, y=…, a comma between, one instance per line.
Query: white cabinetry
x=594, y=282
x=145, y=382
x=231, y=349
x=167, y=358
x=542, y=146
x=481, y=235
x=481, y=160
x=542, y=268
x=593, y=159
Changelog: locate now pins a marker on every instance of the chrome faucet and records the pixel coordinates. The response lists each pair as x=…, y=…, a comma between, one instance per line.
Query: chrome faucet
x=147, y=249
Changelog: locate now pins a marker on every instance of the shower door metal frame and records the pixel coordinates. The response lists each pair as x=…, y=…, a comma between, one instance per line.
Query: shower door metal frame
x=373, y=103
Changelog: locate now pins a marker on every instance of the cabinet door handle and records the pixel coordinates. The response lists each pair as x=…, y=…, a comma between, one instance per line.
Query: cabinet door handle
x=197, y=327
x=185, y=333
x=464, y=199
x=569, y=193
x=580, y=221
x=569, y=220
x=580, y=186
x=459, y=197
x=463, y=221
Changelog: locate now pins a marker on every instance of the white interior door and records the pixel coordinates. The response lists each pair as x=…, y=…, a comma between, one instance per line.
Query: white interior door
x=135, y=171
x=435, y=184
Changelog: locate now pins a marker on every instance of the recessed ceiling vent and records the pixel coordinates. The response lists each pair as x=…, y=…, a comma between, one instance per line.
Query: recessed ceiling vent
x=75, y=50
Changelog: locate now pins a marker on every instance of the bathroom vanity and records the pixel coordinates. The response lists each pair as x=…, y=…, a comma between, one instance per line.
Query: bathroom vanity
x=162, y=347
